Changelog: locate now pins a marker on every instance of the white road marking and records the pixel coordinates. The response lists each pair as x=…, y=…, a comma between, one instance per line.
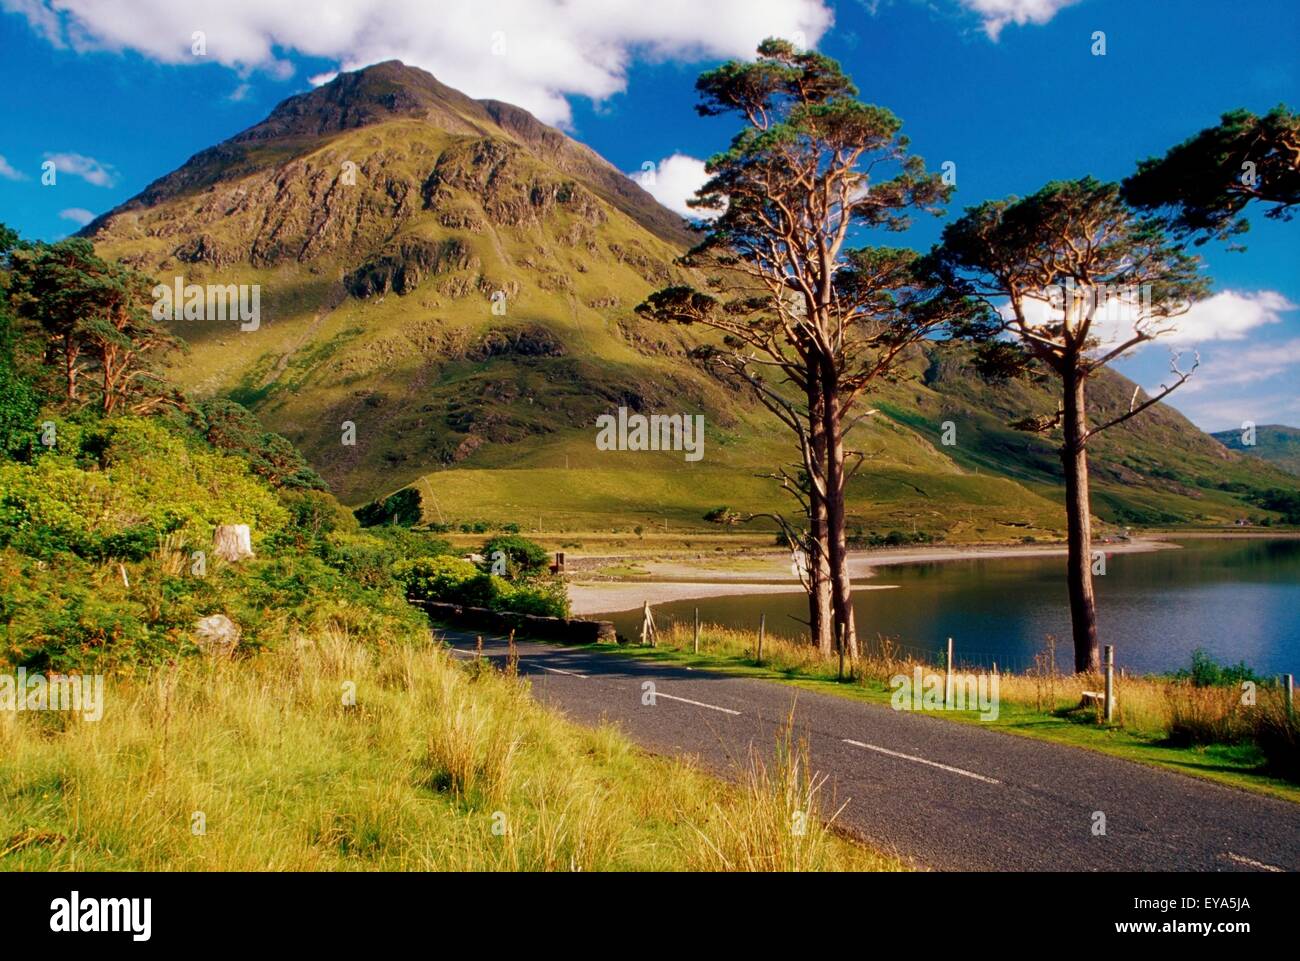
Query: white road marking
x=553, y=670
x=921, y=760
x=687, y=700
x=1251, y=862
x=556, y=670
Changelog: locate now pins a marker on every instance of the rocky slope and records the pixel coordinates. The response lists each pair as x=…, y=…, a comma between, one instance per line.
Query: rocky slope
x=447, y=289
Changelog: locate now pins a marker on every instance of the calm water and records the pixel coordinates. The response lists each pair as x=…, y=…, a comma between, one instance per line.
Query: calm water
x=1238, y=599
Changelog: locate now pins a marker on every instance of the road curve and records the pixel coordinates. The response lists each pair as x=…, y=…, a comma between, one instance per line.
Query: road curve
x=943, y=795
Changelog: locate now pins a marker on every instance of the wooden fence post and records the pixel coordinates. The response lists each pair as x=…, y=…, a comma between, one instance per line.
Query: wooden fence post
x=947, y=678
x=843, y=635
x=1110, y=683
x=1288, y=687
x=762, y=626
x=697, y=630
x=648, y=627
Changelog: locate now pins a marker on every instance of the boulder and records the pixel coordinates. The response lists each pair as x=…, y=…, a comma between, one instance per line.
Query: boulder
x=217, y=635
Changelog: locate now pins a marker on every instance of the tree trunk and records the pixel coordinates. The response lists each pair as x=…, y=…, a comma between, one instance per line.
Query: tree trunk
x=70, y=354
x=1078, y=517
x=841, y=586
x=821, y=614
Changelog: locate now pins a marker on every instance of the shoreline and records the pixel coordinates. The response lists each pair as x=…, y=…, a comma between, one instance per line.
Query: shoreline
x=680, y=581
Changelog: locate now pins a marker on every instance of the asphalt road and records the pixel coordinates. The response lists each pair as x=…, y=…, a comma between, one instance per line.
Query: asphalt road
x=944, y=795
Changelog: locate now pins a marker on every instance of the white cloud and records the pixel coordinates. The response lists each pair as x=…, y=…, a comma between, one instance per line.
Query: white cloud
x=321, y=79
x=525, y=52
x=1228, y=315
x=674, y=181
x=8, y=172
x=240, y=93
x=996, y=14
x=78, y=215
x=87, y=168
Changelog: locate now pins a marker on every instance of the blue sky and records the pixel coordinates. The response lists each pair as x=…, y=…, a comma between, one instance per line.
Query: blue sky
x=1009, y=90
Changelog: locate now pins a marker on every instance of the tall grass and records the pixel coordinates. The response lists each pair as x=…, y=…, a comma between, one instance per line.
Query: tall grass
x=271, y=763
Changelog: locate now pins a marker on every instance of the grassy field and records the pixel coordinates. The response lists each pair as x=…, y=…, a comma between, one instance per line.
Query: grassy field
x=258, y=764
x=1160, y=721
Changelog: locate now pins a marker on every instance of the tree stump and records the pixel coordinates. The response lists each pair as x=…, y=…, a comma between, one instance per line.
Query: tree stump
x=232, y=542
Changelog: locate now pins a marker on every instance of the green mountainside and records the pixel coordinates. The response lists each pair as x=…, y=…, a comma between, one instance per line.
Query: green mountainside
x=382, y=213
x=1274, y=443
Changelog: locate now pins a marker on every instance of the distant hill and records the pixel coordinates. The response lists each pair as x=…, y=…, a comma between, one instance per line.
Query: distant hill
x=383, y=211
x=1274, y=443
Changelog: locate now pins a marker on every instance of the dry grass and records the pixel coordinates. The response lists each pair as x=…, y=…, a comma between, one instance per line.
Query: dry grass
x=1147, y=706
x=432, y=765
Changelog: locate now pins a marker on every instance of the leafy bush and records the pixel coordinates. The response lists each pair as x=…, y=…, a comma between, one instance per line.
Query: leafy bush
x=524, y=558
x=229, y=427
x=1206, y=672
x=402, y=508
x=104, y=478
x=452, y=580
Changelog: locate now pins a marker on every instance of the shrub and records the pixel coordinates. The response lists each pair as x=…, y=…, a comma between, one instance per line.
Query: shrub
x=524, y=558
x=434, y=578
x=546, y=598
x=229, y=427
x=1206, y=672
x=404, y=508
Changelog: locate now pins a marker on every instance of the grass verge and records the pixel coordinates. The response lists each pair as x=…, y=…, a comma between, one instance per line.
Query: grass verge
x=262, y=764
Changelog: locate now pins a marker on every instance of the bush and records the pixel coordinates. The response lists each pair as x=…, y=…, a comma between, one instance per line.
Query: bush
x=524, y=558
x=452, y=580
x=544, y=598
x=1206, y=672
x=229, y=427
x=128, y=473
x=404, y=508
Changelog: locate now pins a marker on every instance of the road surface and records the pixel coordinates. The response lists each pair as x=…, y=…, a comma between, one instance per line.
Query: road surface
x=940, y=794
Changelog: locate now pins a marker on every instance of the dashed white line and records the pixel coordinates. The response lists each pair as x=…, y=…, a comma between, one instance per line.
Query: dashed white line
x=553, y=670
x=556, y=670
x=1251, y=862
x=921, y=760
x=687, y=700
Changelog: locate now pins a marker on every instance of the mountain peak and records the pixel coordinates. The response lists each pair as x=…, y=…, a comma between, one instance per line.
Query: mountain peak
x=383, y=91
x=394, y=91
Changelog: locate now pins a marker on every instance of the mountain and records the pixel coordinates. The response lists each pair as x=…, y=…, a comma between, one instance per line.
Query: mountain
x=1274, y=443
x=456, y=281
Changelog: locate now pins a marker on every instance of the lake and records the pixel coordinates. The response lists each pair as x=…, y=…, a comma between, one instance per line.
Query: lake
x=1239, y=599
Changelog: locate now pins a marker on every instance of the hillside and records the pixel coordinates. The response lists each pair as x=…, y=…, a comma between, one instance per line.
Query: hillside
x=1275, y=443
x=377, y=310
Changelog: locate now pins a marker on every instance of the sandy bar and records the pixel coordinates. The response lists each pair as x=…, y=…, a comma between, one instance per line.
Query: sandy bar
x=705, y=581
